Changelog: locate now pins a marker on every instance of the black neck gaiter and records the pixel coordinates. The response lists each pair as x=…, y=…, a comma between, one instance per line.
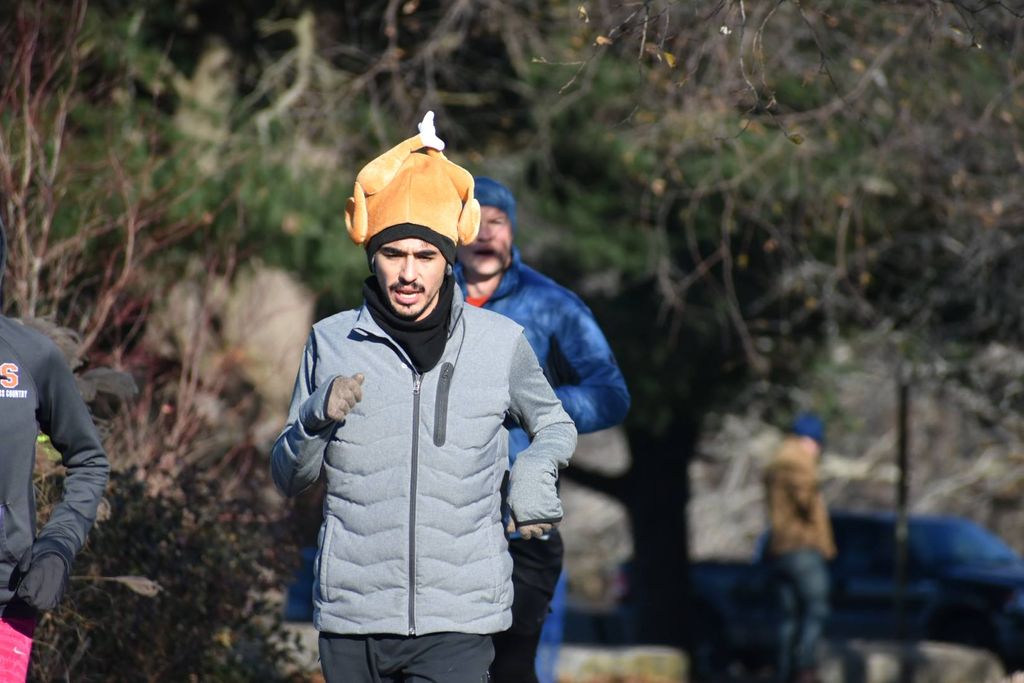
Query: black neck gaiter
x=423, y=340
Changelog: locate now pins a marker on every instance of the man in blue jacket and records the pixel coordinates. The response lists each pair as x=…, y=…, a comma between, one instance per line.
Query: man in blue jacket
x=38, y=391
x=581, y=368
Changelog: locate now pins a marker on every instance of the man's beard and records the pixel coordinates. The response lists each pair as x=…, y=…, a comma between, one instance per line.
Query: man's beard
x=411, y=317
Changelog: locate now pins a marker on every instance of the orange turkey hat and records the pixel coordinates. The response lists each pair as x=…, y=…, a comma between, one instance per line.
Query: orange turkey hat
x=410, y=187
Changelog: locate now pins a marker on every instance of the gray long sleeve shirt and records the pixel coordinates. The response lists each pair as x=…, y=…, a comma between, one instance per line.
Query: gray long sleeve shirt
x=38, y=392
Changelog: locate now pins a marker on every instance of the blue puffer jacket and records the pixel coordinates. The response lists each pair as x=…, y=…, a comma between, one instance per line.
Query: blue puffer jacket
x=569, y=345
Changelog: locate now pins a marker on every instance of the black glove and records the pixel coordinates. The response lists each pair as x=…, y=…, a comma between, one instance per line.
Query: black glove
x=44, y=581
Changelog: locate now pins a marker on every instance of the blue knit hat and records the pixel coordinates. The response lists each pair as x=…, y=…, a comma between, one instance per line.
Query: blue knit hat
x=490, y=192
x=809, y=425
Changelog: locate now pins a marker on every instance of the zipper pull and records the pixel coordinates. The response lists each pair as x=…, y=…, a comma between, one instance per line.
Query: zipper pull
x=417, y=383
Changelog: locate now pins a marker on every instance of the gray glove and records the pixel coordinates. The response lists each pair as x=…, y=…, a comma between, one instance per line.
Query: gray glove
x=43, y=584
x=345, y=393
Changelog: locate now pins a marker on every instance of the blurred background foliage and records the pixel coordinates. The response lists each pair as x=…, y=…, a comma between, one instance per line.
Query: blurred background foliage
x=733, y=187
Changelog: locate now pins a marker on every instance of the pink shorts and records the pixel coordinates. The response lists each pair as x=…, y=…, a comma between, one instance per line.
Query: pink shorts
x=15, y=648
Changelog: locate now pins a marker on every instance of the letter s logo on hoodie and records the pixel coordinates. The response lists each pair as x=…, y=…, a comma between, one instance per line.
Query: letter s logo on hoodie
x=8, y=375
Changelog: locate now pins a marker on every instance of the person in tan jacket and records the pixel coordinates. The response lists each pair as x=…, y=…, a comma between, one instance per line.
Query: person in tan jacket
x=800, y=543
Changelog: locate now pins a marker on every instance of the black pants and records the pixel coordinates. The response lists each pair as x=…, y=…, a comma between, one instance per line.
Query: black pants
x=432, y=658
x=536, y=565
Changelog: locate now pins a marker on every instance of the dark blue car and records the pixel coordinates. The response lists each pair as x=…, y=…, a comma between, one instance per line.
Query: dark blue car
x=964, y=585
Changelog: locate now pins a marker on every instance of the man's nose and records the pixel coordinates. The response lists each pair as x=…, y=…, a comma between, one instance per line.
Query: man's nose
x=408, y=271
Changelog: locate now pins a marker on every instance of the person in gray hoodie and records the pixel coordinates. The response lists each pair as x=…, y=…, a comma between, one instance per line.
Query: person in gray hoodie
x=405, y=403
x=38, y=394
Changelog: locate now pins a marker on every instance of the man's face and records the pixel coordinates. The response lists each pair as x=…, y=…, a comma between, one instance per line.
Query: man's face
x=491, y=253
x=812, y=447
x=411, y=271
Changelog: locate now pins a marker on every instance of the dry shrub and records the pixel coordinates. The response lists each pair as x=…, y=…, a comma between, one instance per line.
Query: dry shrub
x=179, y=586
x=178, y=579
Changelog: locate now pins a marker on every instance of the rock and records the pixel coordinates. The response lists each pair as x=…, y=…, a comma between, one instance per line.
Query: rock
x=861, y=661
x=596, y=528
x=244, y=340
x=266, y=321
x=68, y=341
x=636, y=664
x=304, y=646
x=598, y=539
x=605, y=452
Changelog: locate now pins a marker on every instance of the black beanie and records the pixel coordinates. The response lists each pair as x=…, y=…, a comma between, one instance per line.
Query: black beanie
x=406, y=230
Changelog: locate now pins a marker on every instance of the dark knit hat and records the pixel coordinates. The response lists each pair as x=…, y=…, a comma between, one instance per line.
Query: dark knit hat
x=404, y=230
x=809, y=425
x=490, y=192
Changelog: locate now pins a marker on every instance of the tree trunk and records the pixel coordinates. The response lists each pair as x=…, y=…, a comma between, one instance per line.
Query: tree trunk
x=659, y=493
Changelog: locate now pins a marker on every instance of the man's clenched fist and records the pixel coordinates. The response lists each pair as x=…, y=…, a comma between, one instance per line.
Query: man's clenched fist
x=530, y=530
x=346, y=392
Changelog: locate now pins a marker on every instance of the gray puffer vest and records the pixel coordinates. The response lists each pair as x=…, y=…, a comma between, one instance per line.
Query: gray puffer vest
x=412, y=539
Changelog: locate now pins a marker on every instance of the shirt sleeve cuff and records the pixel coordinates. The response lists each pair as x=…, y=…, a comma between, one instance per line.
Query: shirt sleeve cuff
x=313, y=413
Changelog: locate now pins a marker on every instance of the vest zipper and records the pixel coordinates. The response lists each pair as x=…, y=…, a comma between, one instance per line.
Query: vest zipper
x=444, y=385
x=417, y=383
